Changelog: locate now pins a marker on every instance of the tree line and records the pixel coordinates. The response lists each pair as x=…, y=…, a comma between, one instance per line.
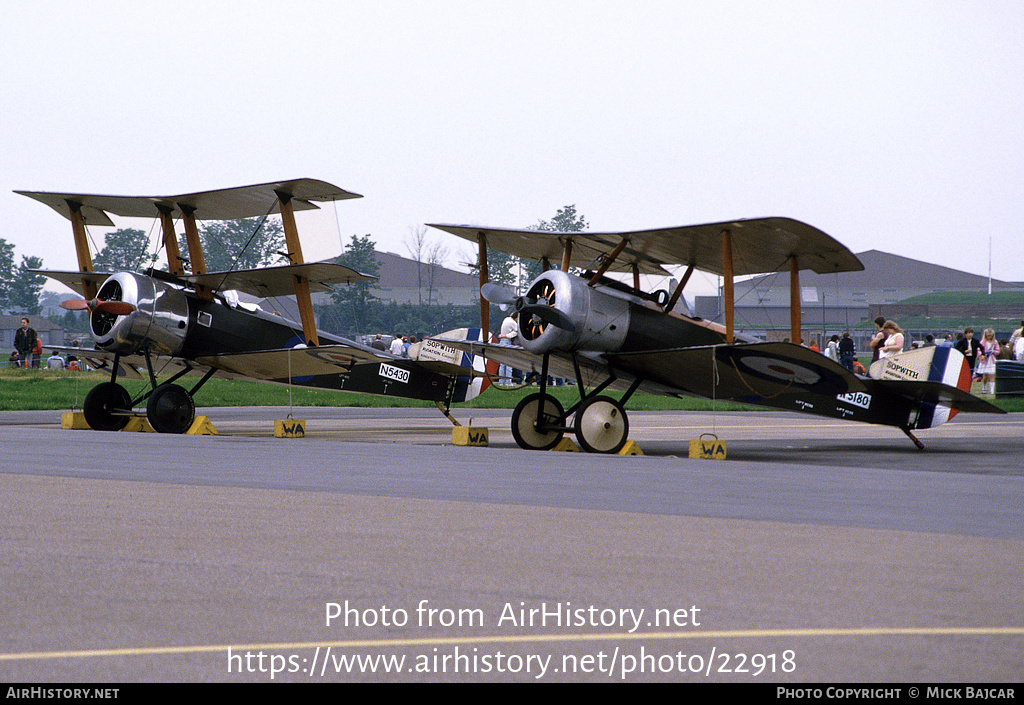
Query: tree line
x=20, y=288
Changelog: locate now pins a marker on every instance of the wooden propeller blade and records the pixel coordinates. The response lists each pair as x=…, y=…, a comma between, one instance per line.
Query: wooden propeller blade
x=116, y=308
x=549, y=315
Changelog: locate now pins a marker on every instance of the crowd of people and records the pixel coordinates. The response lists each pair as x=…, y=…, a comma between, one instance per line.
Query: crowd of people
x=889, y=339
x=399, y=346
x=28, y=351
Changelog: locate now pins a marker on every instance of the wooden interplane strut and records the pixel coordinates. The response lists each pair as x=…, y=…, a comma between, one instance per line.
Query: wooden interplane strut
x=302, y=294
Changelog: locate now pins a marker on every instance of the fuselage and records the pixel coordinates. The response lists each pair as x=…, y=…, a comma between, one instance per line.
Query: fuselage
x=175, y=321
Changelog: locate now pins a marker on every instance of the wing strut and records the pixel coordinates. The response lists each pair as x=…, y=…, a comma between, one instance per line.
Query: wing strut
x=608, y=261
x=302, y=296
x=795, y=334
x=174, y=263
x=485, y=310
x=727, y=291
x=679, y=289
x=195, y=248
x=89, y=288
x=567, y=254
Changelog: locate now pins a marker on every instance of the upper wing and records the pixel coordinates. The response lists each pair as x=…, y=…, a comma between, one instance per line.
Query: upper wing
x=758, y=245
x=223, y=204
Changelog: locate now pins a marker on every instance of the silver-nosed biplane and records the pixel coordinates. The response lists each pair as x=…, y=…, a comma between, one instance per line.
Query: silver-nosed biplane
x=633, y=340
x=192, y=322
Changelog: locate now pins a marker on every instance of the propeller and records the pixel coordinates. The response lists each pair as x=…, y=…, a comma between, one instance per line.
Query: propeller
x=537, y=309
x=547, y=314
x=497, y=294
x=114, y=308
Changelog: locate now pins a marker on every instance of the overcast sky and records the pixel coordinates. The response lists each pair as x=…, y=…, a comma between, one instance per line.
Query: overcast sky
x=893, y=125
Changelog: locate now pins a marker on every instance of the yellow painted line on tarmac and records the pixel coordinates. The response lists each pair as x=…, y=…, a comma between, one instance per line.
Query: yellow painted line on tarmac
x=521, y=638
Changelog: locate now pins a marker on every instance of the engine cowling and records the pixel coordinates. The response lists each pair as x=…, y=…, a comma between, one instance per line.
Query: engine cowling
x=602, y=321
x=599, y=321
x=160, y=320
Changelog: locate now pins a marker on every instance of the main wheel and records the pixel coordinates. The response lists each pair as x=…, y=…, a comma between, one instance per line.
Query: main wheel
x=101, y=404
x=170, y=409
x=524, y=422
x=601, y=425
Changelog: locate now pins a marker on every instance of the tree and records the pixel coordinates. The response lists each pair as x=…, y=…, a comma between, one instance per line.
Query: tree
x=26, y=287
x=6, y=273
x=356, y=300
x=429, y=256
x=416, y=243
x=566, y=220
x=247, y=243
x=502, y=268
x=124, y=251
x=437, y=253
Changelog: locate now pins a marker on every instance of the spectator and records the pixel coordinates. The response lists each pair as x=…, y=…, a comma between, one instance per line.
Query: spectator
x=878, y=340
x=969, y=347
x=25, y=340
x=986, y=366
x=893, y=341
x=847, y=351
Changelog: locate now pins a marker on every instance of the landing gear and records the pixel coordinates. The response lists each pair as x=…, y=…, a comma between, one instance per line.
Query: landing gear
x=601, y=425
x=537, y=422
x=170, y=409
x=107, y=407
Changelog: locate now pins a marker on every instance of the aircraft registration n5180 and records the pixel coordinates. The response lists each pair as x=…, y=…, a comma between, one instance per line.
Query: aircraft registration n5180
x=635, y=340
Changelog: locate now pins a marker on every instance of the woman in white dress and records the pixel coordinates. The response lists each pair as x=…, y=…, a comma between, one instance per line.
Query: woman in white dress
x=893, y=340
x=986, y=365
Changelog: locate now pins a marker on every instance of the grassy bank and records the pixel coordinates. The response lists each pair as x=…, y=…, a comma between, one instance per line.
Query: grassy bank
x=51, y=389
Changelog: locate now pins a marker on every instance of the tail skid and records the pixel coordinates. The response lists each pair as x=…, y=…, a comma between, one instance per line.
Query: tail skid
x=936, y=379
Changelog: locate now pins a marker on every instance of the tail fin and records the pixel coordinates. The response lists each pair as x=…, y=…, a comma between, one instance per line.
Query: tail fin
x=932, y=364
x=949, y=367
x=479, y=370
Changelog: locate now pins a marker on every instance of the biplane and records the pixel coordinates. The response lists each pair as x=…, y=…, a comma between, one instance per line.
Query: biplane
x=593, y=327
x=193, y=322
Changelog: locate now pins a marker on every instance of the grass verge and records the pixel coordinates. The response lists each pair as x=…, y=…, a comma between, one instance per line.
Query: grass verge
x=62, y=389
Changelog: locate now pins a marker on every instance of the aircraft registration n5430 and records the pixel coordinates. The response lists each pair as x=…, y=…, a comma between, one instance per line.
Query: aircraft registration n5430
x=192, y=322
